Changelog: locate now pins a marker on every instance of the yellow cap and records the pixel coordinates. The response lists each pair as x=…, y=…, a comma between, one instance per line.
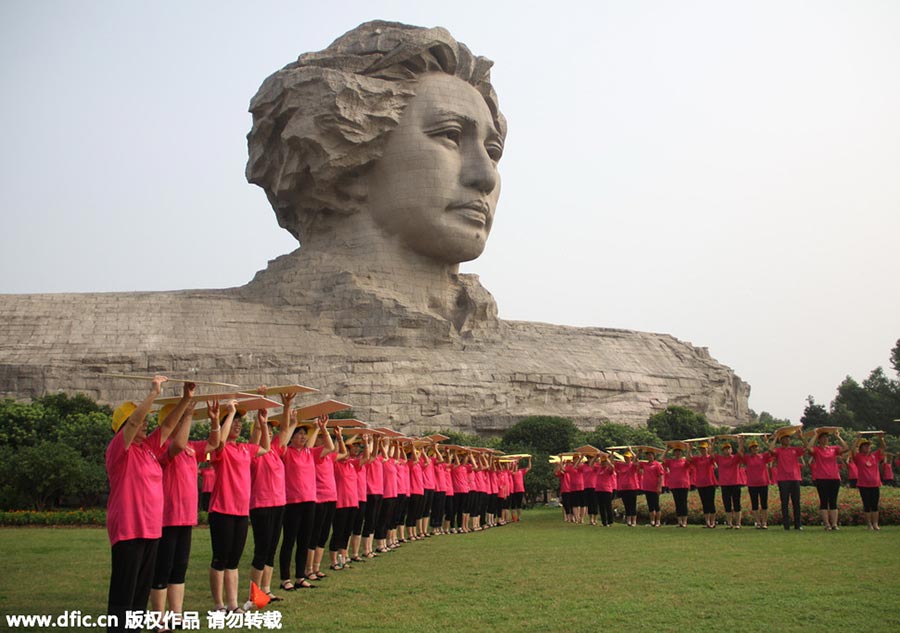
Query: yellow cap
x=752, y=443
x=121, y=414
x=164, y=413
x=703, y=444
x=628, y=454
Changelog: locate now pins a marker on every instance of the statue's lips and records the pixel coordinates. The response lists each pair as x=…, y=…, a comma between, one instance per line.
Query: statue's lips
x=476, y=211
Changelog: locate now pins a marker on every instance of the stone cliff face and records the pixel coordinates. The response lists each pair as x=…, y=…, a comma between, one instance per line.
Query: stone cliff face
x=413, y=369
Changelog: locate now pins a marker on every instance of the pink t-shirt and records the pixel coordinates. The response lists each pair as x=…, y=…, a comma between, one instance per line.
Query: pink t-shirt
x=207, y=479
x=852, y=470
x=390, y=478
x=704, y=471
x=460, y=476
x=135, y=505
x=267, y=478
x=445, y=478
x=416, y=478
x=757, y=468
x=588, y=476
x=678, y=473
x=887, y=472
x=565, y=481
x=519, y=480
x=180, y=483
x=326, y=490
x=604, y=478
x=231, y=494
x=362, y=488
x=402, y=479
x=825, y=462
x=868, y=469
x=299, y=475
x=428, y=479
x=787, y=467
x=346, y=484
x=576, y=478
x=375, y=476
x=729, y=469
x=652, y=474
x=627, y=476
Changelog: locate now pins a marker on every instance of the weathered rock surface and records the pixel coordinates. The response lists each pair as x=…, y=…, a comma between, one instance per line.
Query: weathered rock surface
x=411, y=370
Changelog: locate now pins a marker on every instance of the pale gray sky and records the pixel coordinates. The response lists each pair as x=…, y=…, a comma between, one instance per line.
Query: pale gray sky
x=725, y=172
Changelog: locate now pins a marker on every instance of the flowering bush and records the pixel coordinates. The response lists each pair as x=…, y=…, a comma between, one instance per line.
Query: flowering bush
x=849, y=507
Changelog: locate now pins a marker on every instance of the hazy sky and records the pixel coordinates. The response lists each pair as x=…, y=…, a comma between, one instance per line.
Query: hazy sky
x=725, y=172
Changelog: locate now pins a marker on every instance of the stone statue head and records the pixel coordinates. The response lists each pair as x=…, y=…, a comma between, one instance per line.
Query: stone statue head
x=392, y=128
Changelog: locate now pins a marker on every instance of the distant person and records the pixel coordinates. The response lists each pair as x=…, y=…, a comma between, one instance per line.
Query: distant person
x=869, y=482
x=787, y=474
x=826, y=474
x=703, y=467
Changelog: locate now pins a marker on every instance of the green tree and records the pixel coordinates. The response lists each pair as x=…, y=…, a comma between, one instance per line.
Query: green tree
x=545, y=434
x=46, y=472
x=613, y=434
x=679, y=423
x=814, y=415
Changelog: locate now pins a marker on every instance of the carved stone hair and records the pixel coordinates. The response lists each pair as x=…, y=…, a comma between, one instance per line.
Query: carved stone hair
x=320, y=122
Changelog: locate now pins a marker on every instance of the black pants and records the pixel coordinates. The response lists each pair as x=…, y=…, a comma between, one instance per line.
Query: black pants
x=449, y=508
x=359, y=517
x=759, y=497
x=731, y=498
x=461, y=507
x=400, y=509
x=828, y=493
x=228, y=533
x=629, y=498
x=414, y=510
x=266, y=531
x=437, y=508
x=708, y=499
x=133, y=563
x=385, y=516
x=790, y=494
x=592, y=503
x=680, y=496
x=604, y=500
x=652, y=500
x=566, y=500
x=428, y=504
x=322, y=527
x=172, y=556
x=870, y=498
x=299, y=521
x=373, y=509
x=340, y=528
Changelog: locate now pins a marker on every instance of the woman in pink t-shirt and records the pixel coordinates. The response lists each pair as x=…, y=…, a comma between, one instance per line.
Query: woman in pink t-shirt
x=563, y=474
x=300, y=507
x=604, y=485
x=628, y=482
x=179, y=461
x=518, y=500
x=729, y=476
x=135, y=505
x=756, y=466
x=678, y=481
x=268, y=495
x=652, y=476
x=869, y=482
x=826, y=474
x=207, y=481
x=389, y=472
x=347, y=466
x=703, y=467
x=229, y=506
x=887, y=470
x=788, y=460
x=326, y=496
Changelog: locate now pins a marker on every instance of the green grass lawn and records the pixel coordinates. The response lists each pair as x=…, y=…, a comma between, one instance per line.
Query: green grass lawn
x=538, y=575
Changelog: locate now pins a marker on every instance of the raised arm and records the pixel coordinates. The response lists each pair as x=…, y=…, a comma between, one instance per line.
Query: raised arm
x=136, y=420
x=322, y=425
x=182, y=431
x=342, y=452
x=262, y=418
x=288, y=419
x=167, y=427
x=840, y=440
x=231, y=409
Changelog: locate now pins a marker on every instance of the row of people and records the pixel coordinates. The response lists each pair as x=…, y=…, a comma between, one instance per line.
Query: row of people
x=589, y=483
x=293, y=483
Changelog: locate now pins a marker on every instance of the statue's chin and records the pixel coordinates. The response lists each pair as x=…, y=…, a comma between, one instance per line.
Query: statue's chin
x=451, y=250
